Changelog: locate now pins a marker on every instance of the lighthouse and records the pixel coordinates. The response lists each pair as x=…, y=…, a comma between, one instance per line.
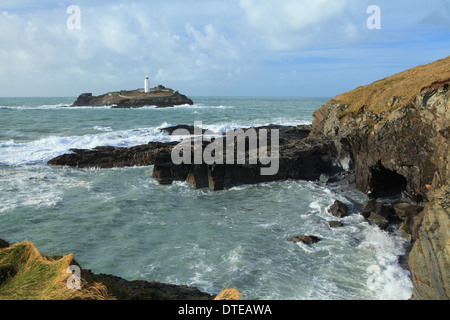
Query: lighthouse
x=147, y=85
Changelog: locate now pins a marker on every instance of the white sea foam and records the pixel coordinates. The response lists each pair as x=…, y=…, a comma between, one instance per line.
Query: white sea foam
x=46, y=188
x=42, y=150
x=104, y=129
x=387, y=279
x=234, y=125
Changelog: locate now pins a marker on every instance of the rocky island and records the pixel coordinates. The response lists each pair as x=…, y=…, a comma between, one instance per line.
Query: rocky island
x=160, y=96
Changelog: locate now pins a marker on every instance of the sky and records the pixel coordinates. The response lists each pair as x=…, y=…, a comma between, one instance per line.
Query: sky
x=310, y=48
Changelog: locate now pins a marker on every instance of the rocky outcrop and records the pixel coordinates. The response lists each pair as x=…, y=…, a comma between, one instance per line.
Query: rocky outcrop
x=395, y=135
x=116, y=157
x=4, y=244
x=160, y=97
x=300, y=157
x=338, y=209
x=123, y=289
x=335, y=224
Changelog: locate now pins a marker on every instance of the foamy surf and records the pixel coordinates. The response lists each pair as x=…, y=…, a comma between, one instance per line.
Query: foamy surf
x=386, y=278
x=42, y=150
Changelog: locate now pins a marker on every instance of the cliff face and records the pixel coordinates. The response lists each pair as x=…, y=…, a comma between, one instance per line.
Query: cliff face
x=397, y=141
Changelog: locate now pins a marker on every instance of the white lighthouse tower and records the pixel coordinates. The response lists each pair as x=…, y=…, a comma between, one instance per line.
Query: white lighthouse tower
x=147, y=85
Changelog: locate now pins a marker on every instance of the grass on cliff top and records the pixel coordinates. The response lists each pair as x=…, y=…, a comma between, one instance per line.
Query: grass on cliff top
x=25, y=274
x=395, y=91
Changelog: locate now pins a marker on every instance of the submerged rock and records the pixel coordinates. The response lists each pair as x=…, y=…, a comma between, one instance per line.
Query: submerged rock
x=305, y=239
x=338, y=209
x=335, y=224
x=378, y=213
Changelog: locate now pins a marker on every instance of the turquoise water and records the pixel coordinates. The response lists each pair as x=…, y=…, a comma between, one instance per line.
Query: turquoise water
x=121, y=222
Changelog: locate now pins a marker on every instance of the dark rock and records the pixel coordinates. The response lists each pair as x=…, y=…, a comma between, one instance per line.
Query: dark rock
x=324, y=178
x=123, y=289
x=305, y=239
x=405, y=210
x=411, y=216
x=379, y=220
x=198, y=177
x=338, y=209
x=4, y=244
x=83, y=100
x=167, y=173
x=378, y=213
x=299, y=158
x=335, y=224
x=374, y=206
x=188, y=128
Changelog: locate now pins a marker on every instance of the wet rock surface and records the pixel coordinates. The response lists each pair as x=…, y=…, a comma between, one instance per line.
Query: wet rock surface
x=338, y=209
x=305, y=239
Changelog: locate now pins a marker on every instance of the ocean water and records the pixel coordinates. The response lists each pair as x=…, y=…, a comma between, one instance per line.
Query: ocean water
x=121, y=222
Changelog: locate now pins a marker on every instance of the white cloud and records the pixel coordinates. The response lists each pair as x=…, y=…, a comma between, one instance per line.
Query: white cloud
x=291, y=24
x=198, y=45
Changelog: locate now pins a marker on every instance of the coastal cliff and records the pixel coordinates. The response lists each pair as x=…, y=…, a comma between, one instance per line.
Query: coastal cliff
x=394, y=134
x=159, y=96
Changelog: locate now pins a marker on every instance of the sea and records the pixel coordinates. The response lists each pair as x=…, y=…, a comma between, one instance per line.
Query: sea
x=122, y=222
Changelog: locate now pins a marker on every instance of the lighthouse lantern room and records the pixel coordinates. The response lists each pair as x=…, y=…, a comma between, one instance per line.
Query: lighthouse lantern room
x=147, y=85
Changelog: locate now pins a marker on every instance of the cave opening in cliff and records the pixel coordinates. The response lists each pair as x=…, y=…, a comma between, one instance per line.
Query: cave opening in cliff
x=385, y=182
